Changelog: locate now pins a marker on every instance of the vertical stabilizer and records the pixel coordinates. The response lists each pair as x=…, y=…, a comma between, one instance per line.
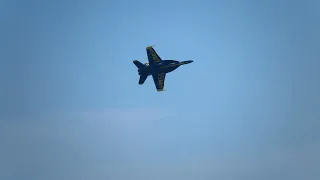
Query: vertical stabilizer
x=138, y=64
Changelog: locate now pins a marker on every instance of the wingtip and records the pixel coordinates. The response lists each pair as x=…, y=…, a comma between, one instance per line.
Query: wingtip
x=149, y=47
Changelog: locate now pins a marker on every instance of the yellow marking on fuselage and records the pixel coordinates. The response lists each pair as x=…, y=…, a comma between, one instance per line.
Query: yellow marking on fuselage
x=183, y=63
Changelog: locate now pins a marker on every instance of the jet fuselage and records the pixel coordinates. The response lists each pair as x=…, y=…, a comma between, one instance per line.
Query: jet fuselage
x=157, y=68
x=164, y=66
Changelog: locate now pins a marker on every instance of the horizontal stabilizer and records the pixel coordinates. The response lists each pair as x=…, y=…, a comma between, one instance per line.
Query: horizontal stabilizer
x=142, y=79
x=138, y=64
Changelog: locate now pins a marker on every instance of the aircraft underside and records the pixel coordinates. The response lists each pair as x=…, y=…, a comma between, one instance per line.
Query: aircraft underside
x=157, y=68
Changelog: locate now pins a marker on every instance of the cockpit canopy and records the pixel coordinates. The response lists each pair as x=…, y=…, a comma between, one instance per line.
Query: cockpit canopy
x=171, y=62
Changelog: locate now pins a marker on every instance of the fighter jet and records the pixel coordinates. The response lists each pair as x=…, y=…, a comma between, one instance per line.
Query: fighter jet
x=157, y=67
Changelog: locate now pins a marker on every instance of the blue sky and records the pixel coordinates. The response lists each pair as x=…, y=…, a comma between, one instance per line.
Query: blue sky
x=247, y=108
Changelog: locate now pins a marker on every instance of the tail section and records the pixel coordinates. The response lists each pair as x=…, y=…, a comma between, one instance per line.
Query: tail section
x=140, y=67
x=142, y=79
x=138, y=64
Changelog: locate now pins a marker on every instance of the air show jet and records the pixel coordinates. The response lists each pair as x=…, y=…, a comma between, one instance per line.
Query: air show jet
x=157, y=67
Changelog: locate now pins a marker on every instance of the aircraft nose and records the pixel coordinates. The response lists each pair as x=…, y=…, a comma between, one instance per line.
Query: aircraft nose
x=186, y=62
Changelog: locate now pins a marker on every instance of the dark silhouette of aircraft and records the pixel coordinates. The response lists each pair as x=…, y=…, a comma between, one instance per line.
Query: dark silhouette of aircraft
x=157, y=67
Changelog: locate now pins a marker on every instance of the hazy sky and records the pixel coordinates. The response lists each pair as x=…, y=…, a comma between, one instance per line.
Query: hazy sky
x=247, y=108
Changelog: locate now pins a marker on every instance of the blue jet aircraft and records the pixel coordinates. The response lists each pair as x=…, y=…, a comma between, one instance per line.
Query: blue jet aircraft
x=157, y=67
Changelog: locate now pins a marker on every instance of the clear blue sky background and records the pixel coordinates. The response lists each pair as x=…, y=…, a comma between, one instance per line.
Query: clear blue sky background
x=246, y=109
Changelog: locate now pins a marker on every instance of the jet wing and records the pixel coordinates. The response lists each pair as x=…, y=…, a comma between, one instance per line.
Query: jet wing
x=159, y=80
x=153, y=57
